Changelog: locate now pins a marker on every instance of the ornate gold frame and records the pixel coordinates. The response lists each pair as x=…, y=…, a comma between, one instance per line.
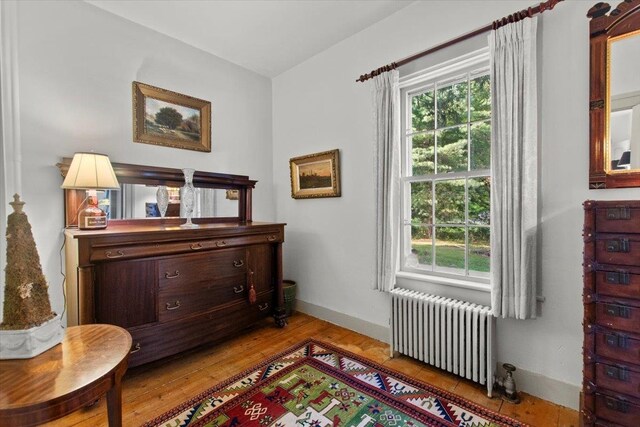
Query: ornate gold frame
x=333, y=157
x=142, y=91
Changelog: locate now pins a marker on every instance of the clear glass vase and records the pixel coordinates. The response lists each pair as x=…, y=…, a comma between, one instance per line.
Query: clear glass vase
x=187, y=198
x=162, y=198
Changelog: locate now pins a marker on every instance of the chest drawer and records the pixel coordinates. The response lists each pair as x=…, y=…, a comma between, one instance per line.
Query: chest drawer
x=186, y=269
x=618, y=219
x=618, y=249
x=623, y=315
x=618, y=346
x=619, y=378
x=617, y=409
x=618, y=283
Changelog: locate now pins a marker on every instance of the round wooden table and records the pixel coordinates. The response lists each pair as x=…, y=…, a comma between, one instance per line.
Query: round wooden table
x=89, y=362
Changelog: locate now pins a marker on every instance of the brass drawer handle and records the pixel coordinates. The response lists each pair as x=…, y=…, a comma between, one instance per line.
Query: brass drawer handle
x=238, y=264
x=272, y=238
x=136, y=348
x=263, y=307
x=221, y=243
x=619, y=373
x=238, y=289
x=616, y=405
x=618, y=310
x=174, y=307
x=118, y=254
x=621, y=213
x=195, y=246
x=617, y=278
x=617, y=245
x=167, y=275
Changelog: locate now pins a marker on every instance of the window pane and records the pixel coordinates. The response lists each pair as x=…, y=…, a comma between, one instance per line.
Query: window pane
x=422, y=154
x=422, y=109
x=480, y=98
x=452, y=105
x=450, y=249
x=481, y=145
x=452, y=149
x=479, y=251
x=450, y=201
x=421, y=248
x=421, y=206
x=479, y=200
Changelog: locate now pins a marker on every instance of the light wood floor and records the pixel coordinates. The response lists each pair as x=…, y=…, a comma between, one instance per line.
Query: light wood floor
x=150, y=390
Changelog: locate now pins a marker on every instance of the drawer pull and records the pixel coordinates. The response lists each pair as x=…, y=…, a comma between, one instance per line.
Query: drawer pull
x=263, y=307
x=168, y=275
x=118, y=254
x=272, y=238
x=618, y=310
x=174, y=307
x=221, y=243
x=617, y=277
x=618, y=213
x=136, y=348
x=615, y=340
x=195, y=246
x=238, y=289
x=617, y=245
x=616, y=405
x=617, y=372
x=238, y=264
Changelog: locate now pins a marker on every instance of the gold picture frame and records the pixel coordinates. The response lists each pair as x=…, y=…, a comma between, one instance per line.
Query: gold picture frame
x=315, y=175
x=170, y=119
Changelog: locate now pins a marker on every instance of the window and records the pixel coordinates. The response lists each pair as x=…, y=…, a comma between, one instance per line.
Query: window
x=446, y=136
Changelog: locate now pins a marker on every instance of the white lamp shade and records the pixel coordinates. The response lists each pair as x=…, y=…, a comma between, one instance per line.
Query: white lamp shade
x=90, y=171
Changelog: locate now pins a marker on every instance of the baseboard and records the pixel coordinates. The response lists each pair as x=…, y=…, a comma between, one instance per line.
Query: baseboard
x=369, y=329
x=546, y=388
x=538, y=385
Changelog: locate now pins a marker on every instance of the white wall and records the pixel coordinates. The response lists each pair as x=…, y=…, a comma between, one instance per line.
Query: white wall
x=76, y=64
x=329, y=243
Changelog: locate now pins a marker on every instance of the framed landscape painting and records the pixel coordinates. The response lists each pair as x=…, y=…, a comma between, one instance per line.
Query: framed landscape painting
x=163, y=117
x=315, y=175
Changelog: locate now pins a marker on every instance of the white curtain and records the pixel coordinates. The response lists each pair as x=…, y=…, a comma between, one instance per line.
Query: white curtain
x=387, y=119
x=514, y=169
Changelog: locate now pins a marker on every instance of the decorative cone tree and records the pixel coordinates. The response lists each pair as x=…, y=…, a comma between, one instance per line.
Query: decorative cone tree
x=26, y=295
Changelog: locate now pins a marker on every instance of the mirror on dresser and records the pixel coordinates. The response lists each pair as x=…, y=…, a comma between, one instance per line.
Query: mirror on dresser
x=218, y=197
x=614, y=108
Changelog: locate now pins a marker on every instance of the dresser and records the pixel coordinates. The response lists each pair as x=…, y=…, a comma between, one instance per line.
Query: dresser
x=174, y=288
x=611, y=296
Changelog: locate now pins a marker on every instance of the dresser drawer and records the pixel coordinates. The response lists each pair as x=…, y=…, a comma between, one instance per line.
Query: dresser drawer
x=618, y=249
x=619, y=378
x=187, y=269
x=617, y=409
x=618, y=346
x=160, y=340
x=618, y=219
x=618, y=283
x=620, y=315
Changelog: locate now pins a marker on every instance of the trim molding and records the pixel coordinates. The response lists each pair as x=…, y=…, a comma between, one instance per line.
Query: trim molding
x=550, y=389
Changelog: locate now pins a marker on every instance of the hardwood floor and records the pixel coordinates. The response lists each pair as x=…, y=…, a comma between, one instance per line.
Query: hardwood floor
x=150, y=390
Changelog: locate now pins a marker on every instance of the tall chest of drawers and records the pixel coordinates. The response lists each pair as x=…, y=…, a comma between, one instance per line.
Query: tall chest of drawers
x=174, y=288
x=611, y=297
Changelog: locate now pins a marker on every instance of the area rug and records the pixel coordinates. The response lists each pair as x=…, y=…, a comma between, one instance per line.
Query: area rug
x=314, y=384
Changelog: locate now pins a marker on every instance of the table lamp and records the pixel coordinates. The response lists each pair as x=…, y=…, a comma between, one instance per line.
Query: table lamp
x=91, y=172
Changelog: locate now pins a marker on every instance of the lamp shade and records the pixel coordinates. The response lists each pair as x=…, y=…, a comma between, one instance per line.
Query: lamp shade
x=625, y=159
x=90, y=171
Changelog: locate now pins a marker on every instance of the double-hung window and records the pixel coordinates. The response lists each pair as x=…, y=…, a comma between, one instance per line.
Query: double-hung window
x=446, y=134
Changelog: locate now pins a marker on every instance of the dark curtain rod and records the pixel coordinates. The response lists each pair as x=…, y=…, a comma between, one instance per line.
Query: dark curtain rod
x=514, y=17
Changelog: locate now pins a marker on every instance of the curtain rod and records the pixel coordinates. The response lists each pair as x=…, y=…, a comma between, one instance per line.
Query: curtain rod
x=514, y=17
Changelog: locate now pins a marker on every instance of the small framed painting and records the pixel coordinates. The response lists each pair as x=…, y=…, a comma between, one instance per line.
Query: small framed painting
x=162, y=117
x=315, y=175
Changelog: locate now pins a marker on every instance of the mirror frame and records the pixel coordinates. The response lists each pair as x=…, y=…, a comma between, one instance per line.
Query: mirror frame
x=152, y=175
x=603, y=26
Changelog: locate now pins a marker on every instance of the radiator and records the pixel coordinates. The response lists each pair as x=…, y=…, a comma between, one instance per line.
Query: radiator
x=452, y=335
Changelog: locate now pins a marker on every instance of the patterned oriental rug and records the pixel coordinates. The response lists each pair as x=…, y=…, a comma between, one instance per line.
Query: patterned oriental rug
x=314, y=384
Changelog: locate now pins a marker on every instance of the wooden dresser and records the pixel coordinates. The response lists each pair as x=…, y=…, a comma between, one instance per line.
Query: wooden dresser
x=611, y=351
x=174, y=288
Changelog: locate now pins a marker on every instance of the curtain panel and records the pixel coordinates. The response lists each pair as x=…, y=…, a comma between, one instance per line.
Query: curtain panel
x=514, y=169
x=386, y=99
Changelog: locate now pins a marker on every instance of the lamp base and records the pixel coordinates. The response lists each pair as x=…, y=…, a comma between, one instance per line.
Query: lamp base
x=92, y=217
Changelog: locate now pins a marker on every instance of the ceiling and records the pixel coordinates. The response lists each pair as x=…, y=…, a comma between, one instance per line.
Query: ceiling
x=266, y=36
